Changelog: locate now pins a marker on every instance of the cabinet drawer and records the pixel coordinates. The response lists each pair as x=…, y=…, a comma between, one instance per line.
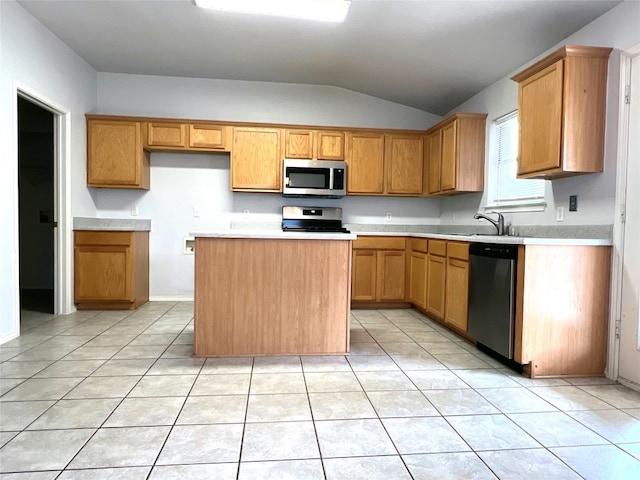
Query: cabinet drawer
x=382, y=243
x=438, y=247
x=419, y=245
x=102, y=238
x=458, y=250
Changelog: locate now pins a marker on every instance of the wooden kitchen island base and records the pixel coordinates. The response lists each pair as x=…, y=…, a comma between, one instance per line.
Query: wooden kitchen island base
x=271, y=296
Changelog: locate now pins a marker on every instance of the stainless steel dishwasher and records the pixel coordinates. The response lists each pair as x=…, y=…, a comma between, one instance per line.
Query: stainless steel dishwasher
x=492, y=296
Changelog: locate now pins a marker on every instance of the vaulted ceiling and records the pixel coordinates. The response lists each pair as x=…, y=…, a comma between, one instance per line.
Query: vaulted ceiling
x=427, y=54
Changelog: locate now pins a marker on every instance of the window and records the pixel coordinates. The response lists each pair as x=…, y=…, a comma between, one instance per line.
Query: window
x=506, y=192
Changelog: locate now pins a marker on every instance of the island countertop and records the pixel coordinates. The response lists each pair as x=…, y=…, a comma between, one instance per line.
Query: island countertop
x=272, y=234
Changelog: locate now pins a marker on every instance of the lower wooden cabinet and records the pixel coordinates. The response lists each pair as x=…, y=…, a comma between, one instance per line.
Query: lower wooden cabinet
x=417, y=272
x=111, y=269
x=378, y=269
x=457, y=286
x=436, y=275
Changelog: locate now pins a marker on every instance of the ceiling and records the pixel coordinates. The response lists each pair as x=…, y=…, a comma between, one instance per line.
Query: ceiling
x=431, y=55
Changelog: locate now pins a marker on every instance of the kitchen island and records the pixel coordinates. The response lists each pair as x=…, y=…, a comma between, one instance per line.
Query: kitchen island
x=271, y=293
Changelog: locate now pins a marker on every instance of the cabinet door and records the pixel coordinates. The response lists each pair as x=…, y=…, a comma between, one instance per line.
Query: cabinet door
x=436, y=271
x=363, y=275
x=103, y=273
x=330, y=145
x=256, y=163
x=449, y=156
x=433, y=161
x=391, y=269
x=298, y=144
x=403, y=161
x=418, y=279
x=208, y=137
x=115, y=157
x=165, y=134
x=365, y=159
x=540, y=120
x=457, y=293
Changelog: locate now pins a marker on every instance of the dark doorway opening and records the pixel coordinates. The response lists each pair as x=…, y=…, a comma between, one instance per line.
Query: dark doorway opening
x=37, y=220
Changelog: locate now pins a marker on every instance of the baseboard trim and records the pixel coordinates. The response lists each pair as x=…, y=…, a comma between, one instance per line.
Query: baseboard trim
x=170, y=299
x=629, y=383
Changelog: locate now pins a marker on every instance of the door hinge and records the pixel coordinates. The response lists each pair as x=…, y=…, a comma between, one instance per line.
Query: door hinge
x=618, y=328
x=627, y=94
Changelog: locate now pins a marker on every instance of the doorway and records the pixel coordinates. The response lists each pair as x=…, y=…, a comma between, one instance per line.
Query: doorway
x=37, y=211
x=629, y=356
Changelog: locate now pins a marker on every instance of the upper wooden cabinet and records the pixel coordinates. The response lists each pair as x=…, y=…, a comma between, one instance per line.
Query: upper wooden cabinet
x=380, y=164
x=365, y=161
x=256, y=159
x=561, y=113
x=403, y=163
x=115, y=157
x=330, y=145
x=207, y=136
x=185, y=136
x=454, y=154
x=314, y=144
x=165, y=134
x=298, y=144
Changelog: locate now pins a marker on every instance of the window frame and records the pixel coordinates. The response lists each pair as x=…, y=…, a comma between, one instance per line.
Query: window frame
x=493, y=202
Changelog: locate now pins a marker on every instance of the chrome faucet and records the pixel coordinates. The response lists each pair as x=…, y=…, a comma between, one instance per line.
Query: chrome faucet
x=499, y=224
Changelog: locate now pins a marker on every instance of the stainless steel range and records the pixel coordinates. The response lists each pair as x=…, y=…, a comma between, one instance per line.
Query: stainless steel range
x=312, y=219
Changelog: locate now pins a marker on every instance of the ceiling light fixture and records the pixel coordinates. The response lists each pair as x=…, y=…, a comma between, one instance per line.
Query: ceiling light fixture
x=334, y=11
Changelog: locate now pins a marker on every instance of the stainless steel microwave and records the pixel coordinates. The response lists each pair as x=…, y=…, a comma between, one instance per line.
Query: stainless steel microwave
x=314, y=178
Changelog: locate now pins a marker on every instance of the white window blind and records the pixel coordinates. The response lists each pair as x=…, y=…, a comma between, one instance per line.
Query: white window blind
x=506, y=189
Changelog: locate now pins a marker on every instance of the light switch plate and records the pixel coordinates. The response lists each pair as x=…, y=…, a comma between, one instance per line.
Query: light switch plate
x=560, y=214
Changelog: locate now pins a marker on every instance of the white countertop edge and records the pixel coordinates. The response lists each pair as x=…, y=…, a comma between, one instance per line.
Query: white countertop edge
x=273, y=234
x=497, y=239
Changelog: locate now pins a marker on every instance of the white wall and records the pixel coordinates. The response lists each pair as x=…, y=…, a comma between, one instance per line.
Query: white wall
x=619, y=28
x=31, y=57
x=182, y=182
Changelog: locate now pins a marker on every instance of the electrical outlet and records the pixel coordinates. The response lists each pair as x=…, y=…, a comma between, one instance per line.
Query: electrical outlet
x=196, y=212
x=573, y=203
x=245, y=213
x=560, y=214
x=134, y=211
x=388, y=216
x=188, y=245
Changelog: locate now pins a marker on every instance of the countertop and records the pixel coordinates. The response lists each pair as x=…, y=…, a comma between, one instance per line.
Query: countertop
x=112, y=224
x=504, y=239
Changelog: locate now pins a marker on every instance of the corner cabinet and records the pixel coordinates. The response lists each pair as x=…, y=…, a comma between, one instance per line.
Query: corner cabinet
x=115, y=155
x=454, y=154
x=256, y=159
x=561, y=113
x=378, y=270
x=111, y=269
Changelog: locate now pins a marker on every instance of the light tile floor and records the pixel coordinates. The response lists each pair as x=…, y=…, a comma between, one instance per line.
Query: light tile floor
x=116, y=395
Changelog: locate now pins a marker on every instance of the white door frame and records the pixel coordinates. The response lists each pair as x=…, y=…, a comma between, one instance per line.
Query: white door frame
x=62, y=199
x=615, y=310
